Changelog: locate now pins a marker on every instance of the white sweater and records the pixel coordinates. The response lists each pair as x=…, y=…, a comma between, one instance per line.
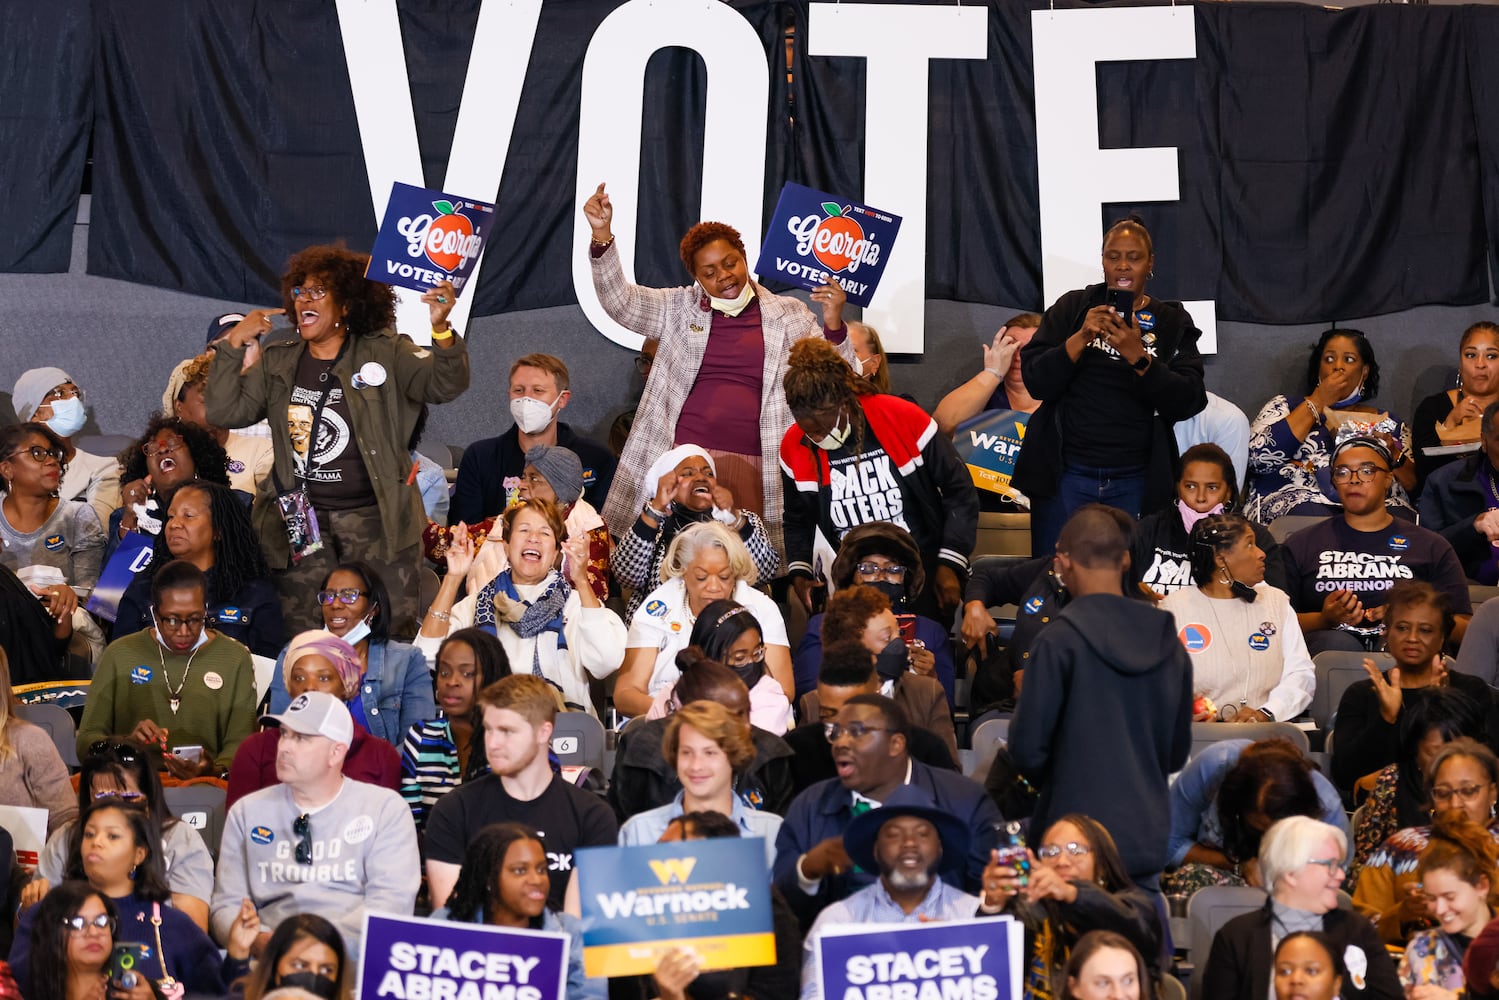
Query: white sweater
x=595, y=643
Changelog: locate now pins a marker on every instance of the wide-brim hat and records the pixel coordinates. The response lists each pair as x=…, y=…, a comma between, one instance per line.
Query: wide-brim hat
x=861, y=833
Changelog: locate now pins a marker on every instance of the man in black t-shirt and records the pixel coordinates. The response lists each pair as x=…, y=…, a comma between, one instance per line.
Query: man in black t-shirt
x=519, y=712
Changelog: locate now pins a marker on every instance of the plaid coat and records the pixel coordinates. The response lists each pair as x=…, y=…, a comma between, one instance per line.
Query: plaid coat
x=681, y=318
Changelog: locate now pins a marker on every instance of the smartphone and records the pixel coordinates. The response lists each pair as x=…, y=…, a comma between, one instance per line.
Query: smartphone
x=192, y=754
x=907, y=625
x=127, y=962
x=1122, y=300
x=1012, y=852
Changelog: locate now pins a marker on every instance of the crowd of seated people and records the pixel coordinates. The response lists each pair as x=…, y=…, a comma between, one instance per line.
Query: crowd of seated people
x=768, y=606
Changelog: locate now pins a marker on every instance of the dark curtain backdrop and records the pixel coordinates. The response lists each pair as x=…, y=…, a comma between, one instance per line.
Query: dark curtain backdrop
x=45, y=61
x=1333, y=163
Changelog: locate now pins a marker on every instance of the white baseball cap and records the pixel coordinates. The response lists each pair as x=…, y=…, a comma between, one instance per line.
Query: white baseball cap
x=317, y=713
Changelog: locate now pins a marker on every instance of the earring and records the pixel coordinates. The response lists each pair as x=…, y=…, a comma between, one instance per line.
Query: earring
x=1459, y=380
x=132, y=872
x=1224, y=576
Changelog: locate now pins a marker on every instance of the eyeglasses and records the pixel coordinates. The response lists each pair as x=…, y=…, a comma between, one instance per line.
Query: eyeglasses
x=315, y=294
x=749, y=656
x=1048, y=851
x=855, y=730
x=127, y=753
x=167, y=446
x=894, y=572
x=78, y=923
x=1333, y=865
x=176, y=624
x=302, y=827
x=64, y=391
x=121, y=794
x=40, y=455
x=1364, y=473
x=348, y=595
x=1467, y=793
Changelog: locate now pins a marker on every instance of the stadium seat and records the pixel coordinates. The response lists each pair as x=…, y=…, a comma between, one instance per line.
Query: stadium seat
x=1337, y=670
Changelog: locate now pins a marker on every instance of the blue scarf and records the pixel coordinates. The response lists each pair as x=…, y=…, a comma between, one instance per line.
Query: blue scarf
x=542, y=615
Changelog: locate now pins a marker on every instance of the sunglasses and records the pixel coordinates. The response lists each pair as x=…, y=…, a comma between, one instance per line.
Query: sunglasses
x=127, y=753
x=79, y=924
x=302, y=828
x=1048, y=851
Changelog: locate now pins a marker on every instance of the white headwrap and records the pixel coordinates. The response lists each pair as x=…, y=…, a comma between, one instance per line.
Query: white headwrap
x=670, y=460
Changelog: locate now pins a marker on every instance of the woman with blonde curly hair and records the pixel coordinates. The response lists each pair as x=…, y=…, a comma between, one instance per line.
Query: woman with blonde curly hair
x=855, y=456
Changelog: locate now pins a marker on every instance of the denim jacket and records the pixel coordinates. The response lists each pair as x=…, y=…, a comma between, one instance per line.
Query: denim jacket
x=396, y=691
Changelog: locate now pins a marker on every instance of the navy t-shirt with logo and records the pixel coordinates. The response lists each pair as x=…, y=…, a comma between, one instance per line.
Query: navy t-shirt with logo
x=1330, y=556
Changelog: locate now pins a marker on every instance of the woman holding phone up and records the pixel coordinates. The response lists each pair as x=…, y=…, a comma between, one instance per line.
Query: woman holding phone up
x=1113, y=368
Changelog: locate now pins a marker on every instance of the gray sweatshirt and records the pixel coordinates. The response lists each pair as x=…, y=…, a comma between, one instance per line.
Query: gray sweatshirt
x=364, y=857
x=71, y=540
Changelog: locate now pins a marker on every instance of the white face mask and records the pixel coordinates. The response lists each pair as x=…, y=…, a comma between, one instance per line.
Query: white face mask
x=836, y=436
x=736, y=305
x=532, y=415
x=67, y=417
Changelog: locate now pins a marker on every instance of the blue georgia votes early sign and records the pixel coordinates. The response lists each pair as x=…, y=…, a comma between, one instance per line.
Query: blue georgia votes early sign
x=414, y=958
x=971, y=959
x=428, y=237
x=816, y=237
x=712, y=896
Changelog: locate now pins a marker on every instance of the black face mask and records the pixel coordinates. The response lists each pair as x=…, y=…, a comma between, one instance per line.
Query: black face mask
x=895, y=591
x=893, y=660
x=750, y=672
x=311, y=982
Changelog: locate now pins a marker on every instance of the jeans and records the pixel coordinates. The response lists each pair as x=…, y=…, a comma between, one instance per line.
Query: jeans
x=1078, y=486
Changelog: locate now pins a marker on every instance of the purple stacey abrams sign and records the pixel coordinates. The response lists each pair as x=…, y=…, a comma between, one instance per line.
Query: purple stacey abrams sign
x=975, y=959
x=816, y=238
x=411, y=958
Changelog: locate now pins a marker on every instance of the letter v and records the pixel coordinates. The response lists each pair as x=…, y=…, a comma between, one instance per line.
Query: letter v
x=376, y=56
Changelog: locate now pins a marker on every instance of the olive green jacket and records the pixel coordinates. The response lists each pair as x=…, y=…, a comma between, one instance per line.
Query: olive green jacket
x=383, y=417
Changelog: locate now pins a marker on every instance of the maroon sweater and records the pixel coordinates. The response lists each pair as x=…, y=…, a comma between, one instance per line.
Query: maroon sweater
x=369, y=759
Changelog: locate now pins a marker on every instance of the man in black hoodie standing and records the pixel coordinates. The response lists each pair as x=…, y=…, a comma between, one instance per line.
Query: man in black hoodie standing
x=1106, y=713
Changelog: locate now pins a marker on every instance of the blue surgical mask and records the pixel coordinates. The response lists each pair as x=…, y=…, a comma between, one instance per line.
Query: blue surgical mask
x=358, y=633
x=156, y=631
x=1353, y=397
x=68, y=416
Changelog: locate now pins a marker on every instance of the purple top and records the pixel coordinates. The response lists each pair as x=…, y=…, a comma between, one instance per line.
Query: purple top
x=722, y=411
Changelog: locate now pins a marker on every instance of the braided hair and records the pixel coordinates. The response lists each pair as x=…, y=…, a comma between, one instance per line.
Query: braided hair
x=210, y=461
x=475, y=890
x=818, y=379
x=237, y=559
x=1212, y=536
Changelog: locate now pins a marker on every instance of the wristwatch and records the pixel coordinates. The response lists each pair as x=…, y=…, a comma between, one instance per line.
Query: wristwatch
x=1142, y=364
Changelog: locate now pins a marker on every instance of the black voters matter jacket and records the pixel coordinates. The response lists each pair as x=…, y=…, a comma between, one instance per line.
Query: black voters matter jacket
x=901, y=469
x=1172, y=387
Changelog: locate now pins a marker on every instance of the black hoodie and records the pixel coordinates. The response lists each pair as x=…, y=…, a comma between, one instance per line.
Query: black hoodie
x=1104, y=717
